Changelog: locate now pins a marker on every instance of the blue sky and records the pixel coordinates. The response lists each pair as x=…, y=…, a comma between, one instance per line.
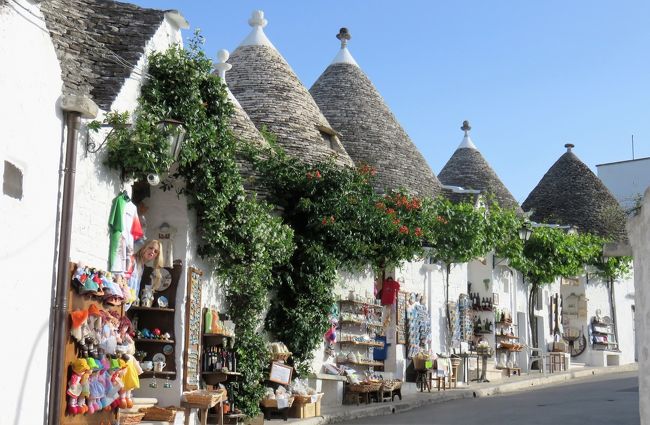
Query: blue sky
x=530, y=76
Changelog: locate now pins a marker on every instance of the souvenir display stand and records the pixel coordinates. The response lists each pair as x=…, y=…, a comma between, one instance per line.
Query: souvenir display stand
x=218, y=366
x=154, y=324
x=360, y=323
x=279, y=377
x=78, y=302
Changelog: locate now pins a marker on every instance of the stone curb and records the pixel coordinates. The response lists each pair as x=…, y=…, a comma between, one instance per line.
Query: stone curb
x=414, y=400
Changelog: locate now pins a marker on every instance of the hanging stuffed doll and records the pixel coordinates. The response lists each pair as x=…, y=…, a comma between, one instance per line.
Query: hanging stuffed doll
x=96, y=388
x=104, y=379
x=117, y=371
x=79, y=329
x=130, y=379
x=85, y=391
x=79, y=367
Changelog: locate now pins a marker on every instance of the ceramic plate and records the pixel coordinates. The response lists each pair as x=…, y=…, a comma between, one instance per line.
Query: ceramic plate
x=168, y=349
x=165, y=279
x=162, y=301
x=159, y=357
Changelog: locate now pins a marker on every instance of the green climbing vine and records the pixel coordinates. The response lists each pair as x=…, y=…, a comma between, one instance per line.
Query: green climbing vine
x=239, y=233
x=339, y=223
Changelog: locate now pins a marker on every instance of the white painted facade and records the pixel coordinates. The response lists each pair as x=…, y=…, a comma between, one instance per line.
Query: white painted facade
x=638, y=232
x=627, y=180
x=30, y=86
x=33, y=141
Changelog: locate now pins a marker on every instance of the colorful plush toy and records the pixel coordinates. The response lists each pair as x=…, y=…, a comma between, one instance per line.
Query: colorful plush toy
x=75, y=387
x=113, y=394
x=131, y=379
x=96, y=387
x=104, y=378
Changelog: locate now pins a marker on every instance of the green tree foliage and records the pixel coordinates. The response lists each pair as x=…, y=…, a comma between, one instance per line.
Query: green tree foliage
x=339, y=222
x=550, y=253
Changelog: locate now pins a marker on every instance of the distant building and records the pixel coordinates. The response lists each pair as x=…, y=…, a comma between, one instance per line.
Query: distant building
x=627, y=180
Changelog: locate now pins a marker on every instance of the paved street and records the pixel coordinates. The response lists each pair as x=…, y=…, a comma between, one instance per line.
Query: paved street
x=604, y=400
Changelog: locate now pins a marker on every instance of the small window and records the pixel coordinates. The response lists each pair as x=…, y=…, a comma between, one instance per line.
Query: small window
x=12, y=181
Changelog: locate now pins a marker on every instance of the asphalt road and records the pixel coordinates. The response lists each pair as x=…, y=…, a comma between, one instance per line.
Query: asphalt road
x=609, y=400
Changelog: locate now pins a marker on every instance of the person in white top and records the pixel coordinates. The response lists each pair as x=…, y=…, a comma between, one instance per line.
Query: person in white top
x=149, y=253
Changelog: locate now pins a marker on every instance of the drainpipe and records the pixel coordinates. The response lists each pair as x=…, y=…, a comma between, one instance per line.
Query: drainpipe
x=73, y=107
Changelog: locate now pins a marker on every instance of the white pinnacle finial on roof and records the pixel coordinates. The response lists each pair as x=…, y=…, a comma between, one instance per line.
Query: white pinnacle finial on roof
x=569, y=146
x=257, y=36
x=221, y=66
x=467, y=141
x=344, y=56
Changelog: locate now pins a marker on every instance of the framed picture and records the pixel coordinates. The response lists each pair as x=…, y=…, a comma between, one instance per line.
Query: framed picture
x=495, y=298
x=280, y=373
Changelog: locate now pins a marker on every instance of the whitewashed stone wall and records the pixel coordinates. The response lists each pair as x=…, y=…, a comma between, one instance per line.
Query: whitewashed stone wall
x=639, y=232
x=30, y=86
x=415, y=276
x=33, y=140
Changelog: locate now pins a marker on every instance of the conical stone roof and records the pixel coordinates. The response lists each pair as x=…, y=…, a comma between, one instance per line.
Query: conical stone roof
x=571, y=194
x=244, y=131
x=369, y=131
x=273, y=97
x=467, y=168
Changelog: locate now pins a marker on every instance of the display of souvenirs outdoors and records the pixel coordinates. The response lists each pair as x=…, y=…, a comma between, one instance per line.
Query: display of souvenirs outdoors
x=418, y=325
x=110, y=288
x=464, y=329
x=105, y=370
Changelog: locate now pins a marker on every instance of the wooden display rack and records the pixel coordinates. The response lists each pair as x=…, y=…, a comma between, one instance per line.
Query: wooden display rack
x=158, y=317
x=80, y=302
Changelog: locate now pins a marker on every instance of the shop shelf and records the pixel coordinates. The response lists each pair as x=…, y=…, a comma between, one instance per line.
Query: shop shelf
x=370, y=363
x=171, y=374
x=157, y=309
x=360, y=303
x=364, y=343
x=360, y=323
x=156, y=341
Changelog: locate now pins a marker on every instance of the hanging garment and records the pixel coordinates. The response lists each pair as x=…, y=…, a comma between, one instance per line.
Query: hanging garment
x=389, y=291
x=116, y=226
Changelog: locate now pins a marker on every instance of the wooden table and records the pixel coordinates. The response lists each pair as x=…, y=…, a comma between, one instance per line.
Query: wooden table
x=203, y=411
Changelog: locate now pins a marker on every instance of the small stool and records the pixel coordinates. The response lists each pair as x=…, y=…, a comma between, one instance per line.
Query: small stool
x=423, y=380
x=453, y=379
x=513, y=371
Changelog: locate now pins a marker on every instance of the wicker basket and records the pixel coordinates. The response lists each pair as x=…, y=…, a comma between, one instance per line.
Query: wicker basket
x=392, y=385
x=155, y=413
x=420, y=363
x=302, y=399
x=206, y=398
x=364, y=388
x=131, y=418
x=280, y=357
x=271, y=402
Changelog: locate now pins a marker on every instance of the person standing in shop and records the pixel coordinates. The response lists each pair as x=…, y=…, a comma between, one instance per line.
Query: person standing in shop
x=150, y=253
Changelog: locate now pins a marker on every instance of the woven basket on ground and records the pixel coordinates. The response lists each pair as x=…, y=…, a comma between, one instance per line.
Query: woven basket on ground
x=155, y=413
x=131, y=418
x=203, y=397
